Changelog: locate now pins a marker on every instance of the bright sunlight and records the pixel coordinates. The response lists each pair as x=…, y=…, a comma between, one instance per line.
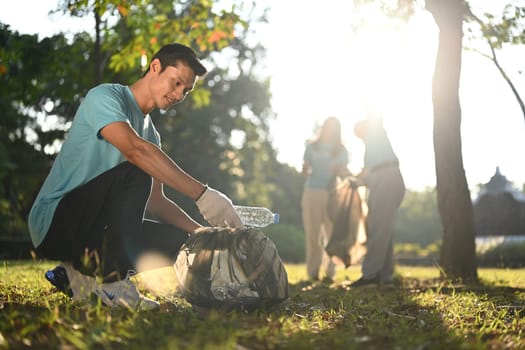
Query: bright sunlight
x=320, y=66
x=341, y=72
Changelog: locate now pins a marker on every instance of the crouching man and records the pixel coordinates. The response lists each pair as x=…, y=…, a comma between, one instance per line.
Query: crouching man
x=89, y=213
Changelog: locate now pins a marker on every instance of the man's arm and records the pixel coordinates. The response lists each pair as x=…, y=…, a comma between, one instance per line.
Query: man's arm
x=167, y=211
x=215, y=207
x=151, y=159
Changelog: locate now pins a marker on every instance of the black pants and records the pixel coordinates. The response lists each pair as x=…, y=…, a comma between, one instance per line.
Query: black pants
x=100, y=227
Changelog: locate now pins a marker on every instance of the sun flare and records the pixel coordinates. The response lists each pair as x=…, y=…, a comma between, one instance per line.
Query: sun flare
x=388, y=68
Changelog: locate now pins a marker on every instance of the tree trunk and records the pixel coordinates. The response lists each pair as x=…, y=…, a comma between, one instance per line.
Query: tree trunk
x=458, y=258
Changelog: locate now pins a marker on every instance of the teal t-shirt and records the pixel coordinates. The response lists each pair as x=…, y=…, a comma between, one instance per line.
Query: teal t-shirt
x=322, y=160
x=85, y=154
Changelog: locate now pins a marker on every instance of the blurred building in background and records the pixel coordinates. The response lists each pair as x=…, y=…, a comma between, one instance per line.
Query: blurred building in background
x=499, y=209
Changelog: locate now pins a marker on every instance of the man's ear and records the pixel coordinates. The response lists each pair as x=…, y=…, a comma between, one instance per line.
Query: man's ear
x=155, y=66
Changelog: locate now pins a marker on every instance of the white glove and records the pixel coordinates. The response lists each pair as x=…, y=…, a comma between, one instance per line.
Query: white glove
x=217, y=209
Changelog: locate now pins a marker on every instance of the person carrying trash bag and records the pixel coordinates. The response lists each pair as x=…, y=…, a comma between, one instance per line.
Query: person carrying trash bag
x=325, y=157
x=386, y=189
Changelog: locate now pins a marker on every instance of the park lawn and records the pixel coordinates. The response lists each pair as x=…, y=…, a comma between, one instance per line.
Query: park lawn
x=418, y=312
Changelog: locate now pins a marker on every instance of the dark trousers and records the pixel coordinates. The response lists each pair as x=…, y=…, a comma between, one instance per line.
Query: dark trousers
x=100, y=228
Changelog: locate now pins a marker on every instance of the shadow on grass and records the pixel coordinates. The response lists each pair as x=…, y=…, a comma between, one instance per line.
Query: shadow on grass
x=27, y=326
x=494, y=314
x=339, y=317
x=92, y=327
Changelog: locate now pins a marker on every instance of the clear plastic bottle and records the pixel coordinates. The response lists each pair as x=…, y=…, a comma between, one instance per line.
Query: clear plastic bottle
x=256, y=216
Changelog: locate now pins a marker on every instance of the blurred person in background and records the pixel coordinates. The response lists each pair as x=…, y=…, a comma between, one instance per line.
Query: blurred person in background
x=386, y=189
x=325, y=158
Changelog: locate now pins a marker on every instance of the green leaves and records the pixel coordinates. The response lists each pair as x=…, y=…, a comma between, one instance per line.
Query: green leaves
x=142, y=27
x=506, y=27
x=41, y=79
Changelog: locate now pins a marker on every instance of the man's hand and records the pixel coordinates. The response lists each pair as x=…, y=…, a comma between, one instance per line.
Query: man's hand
x=217, y=209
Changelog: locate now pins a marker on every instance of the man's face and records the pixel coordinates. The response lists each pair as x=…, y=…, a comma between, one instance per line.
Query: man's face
x=171, y=86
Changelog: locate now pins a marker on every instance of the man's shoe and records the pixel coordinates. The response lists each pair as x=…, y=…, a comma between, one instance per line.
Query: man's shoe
x=365, y=282
x=71, y=282
x=124, y=293
x=58, y=278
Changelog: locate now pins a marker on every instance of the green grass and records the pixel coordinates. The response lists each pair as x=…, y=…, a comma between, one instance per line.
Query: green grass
x=418, y=312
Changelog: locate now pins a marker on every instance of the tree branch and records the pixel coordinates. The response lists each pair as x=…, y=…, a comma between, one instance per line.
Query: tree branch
x=494, y=59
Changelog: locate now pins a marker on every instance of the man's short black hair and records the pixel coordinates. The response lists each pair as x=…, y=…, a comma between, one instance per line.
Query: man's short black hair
x=169, y=54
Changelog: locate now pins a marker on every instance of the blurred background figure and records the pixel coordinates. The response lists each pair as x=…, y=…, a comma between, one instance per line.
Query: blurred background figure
x=386, y=190
x=325, y=158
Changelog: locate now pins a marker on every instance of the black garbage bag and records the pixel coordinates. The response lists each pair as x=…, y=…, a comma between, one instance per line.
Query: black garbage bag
x=347, y=242
x=230, y=269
